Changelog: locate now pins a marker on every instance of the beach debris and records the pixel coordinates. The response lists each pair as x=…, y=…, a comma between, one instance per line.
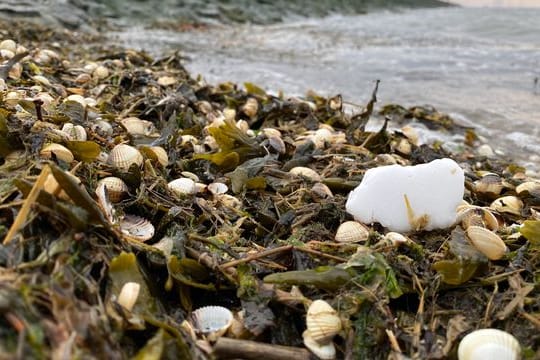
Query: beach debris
x=212, y=321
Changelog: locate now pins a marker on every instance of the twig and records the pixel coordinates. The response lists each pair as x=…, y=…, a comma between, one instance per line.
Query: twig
x=246, y=349
x=257, y=256
x=320, y=254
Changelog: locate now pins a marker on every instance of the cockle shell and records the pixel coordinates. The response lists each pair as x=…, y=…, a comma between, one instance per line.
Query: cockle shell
x=60, y=152
x=305, y=172
x=116, y=188
x=322, y=321
x=489, y=344
x=217, y=188
x=75, y=132
x=136, y=228
x=325, y=351
x=487, y=242
x=122, y=156
x=128, y=295
x=508, y=204
x=351, y=232
x=490, y=183
x=212, y=320
x=182, y=187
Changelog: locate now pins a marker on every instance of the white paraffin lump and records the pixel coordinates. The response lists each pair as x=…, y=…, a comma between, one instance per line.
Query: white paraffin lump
x=408, y=198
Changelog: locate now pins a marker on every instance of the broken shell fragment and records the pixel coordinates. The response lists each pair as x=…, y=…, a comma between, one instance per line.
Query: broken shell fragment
x=116, y=188
x=487, y=242
x=136, y=228
x=59, y=151
x=508, y=204
x=489, y=344
x=122, y=156
x=182, y=187
x=322, y=321
x=322, y=351
x=212, y=320
x=351, y=232
x=128, y=295
x=305, y=172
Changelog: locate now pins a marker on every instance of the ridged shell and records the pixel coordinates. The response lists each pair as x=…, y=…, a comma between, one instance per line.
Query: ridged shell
x=128, y=295
x=305, y=172
x=487, y=242
x=489, y=344
x=508, y=204
x=160, y=154
x=324, y=352
x=322, y=321
x=137, y=127
x=122, y=156
x=105, y=204
x=217, y=188
x=214, y=320
x=75, y=132
x=182, y=187
x=136, y=228
x=60, y=151
x=351, y=232
x=489, y=184
x=116, y=188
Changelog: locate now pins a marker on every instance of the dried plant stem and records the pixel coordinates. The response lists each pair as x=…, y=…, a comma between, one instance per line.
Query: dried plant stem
x=230, y=349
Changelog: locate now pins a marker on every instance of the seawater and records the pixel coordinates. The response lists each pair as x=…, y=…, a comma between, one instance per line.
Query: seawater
x=481, y=65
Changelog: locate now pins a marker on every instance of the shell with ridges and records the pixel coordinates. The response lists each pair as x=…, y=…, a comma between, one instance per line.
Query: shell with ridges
x=305, y=172
x=489, y=344
x=60, y=151
x=508, y=204
x=182, y=187
x=128, y=295
x=212, y=320
x=487, y=242
x=136, y=228
x=75, y=132
x=217, y=188
x=351, y=232
x=122, y=156
x=322, y=321
x=116, y=188
x=325, y=351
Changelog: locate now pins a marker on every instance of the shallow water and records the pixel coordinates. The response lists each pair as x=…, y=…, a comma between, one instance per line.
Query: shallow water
x=477, y=64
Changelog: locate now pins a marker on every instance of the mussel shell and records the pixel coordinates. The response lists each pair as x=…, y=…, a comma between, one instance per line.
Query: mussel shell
x=489, y=344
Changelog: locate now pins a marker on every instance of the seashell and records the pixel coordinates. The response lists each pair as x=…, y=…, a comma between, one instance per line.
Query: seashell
x=529, y=189
x=116, y=188
x=487, y=242
x=490, y=184
x=156, y=153
x=230, y=201
x=8, y=44
x=485, y=150
x=305, y=172
x=40, y=79
x=128, y=295
x=102, y=127
x=411, y=133
x=251, y=107
x=77, y=98
x=229, y=114
x=212, y=320
x=182, y=187
x=242, y=125
x=122, y=156
x=402, y=146
x=395, y=238
x=16, y=71
x=83, y=78
x=136, y=228
x=45, y=56
x=477, y=216
x=351, y=232
x=105, y=204
x=60, y=152
x=165, y=245
x=322, y=321
x=90, y=101
x=508, y=204
x=321, y=191
x=166, y=80
x=100, y=72
x=268, y=132
x=137, y=127
x=75, y=132
x=489, y=344
x=324, y=352
x=217, y=188
x=6, y=54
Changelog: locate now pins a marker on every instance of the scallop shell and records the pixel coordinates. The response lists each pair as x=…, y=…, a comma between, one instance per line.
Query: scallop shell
x=322, y=321
x=217, y=188
x=351, y=232
x=324, y=352
x=490, y=183
x=122, y=156
x=212, y=320
x=305, y=172
x=487, y=242
x=508, y=204
x=128, y=295
x=182, y=186
x=75, y=132
x=116, y=188
x=136, y=228
x=60, y=152
x=489, y=344
x=137, y=127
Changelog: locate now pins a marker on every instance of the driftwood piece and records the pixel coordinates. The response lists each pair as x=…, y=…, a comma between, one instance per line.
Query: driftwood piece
x=226, y=348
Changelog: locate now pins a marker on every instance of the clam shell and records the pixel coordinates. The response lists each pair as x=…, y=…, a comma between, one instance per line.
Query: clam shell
x=182, y=187
x=487, y=242
x=128, y=295
x=489, y=344
x=351, y=232
x=136, y=228
x=529, y=189
x=217, y=188
x=160, y=154
x=75, y=132
x=77, y=98
x=321, y=191
x=60, y=152
x=122, y=156
x=102, y=127
x=305, y=172
x=137, y=127
x=324, y=352
x=322, y=321
x=508, y=204
x=212, y=320
x=116, y=188
x=477, y=216
x=8, y=44
x=395, y=238
x=489, y=184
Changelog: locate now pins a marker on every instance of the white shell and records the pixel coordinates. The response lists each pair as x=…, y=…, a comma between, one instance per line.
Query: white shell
x=487, y=242
x=116, y=188
x=395, y=238
x=137, y=127
x=508, y=204
x=251, y=107
x=122, y=156
x=213, y=320
x=322, y=321
x=324, y=352
x=182, y=187
x=128, y=295
x=351, y=232
x=136, y=228
x=75, y=132
x=306, y=173
x=490, y=183
x=489, y=344
x=217, y=188
x=8, y=44
x=60, y=151
x=100, y=72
